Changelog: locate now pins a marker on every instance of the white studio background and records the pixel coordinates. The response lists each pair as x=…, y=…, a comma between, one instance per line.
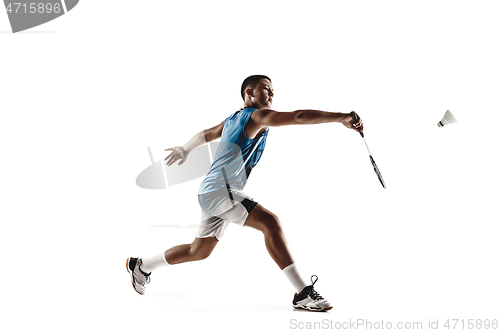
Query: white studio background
x=84, y=95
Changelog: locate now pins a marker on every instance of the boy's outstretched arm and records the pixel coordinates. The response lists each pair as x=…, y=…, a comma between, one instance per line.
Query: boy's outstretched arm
x=181, y=153
x=265, y=118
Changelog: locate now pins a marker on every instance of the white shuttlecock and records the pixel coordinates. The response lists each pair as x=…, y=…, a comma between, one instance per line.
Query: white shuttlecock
x=448, y=118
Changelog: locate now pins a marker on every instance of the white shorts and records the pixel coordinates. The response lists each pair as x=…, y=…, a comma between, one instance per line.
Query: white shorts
x=221, y=207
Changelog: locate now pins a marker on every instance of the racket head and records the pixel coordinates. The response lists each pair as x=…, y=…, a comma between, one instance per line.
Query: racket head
x=377, y=171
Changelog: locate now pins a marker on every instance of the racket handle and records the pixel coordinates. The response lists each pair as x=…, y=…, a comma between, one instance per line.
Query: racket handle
x=355, y=118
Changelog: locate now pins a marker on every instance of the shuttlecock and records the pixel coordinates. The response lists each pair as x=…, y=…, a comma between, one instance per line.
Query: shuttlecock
x=448, y=118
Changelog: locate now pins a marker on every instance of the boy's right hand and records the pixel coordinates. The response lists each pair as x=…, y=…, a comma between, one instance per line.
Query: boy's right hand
x=177, y=153
x=350, y=123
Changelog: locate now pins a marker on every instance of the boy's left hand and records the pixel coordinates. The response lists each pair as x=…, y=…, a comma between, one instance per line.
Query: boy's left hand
x=178, y=153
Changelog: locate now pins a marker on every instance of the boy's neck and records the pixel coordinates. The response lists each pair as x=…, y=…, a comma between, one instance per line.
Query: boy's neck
x=249, y=105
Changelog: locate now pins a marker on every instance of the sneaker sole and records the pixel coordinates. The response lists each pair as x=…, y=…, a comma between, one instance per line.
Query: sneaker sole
x=298, y=307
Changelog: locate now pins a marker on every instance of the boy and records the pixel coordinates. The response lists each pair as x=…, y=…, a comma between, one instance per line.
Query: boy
x=243, y=138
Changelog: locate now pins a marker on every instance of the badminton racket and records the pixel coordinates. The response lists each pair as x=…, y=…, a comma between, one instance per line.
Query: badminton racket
x=355, y=118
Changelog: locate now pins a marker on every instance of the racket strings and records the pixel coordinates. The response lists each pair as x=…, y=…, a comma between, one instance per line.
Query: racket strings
x=377, y=171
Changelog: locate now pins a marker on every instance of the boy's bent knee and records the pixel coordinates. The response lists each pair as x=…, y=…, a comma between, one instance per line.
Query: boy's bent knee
x=199, y=254
x=263, y=220
x=272, y=223
x=201, y=251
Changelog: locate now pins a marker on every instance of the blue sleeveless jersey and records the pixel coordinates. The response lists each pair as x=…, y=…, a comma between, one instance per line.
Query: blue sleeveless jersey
x=236, y=154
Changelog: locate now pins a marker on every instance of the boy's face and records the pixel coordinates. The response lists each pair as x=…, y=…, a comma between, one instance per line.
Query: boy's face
x=262, y=95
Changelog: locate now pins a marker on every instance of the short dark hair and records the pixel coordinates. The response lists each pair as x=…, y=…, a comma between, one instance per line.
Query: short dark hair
x=251, y=82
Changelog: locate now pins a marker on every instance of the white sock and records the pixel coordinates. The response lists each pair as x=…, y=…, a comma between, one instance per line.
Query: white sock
x=293, y=275
x=153, y=263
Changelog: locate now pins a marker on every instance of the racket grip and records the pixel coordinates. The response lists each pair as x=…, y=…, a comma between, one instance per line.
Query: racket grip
x=355, y=118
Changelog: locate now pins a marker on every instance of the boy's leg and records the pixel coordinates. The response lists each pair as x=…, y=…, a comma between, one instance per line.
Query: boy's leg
x=200, y=249
x=274, y=238
x=140, y=269
x=210, y=231
x=269, y=224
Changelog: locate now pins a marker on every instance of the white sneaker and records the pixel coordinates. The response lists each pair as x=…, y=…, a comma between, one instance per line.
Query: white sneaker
x=309, y=299
x=139, y=278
